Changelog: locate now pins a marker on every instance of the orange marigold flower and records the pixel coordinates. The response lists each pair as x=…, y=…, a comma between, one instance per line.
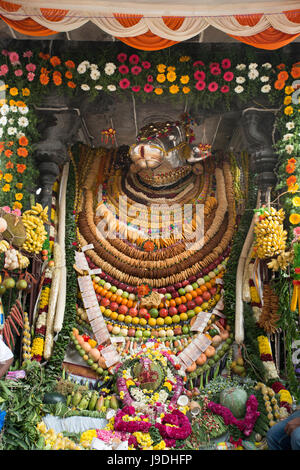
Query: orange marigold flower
x=292, y=160
x=283, y=76
x=23, y=141
x=9, y=165
x=21, y=168
x=293, y=188
x=295, y=72
x=8, y=177
x=17, y=205
x=290, y=168
x=22, y=152
x=25, y=91
x=55, y=61
x=281, y=66
x=71, y=85
x=44, y=56
x=70, y=64
x=69, y=75
x=57, y=79
x=291, y=180
x=294, y=219
x=19, y=196
x=19, y=185
x=44, y=79
x=8, y=153
x=279, y=84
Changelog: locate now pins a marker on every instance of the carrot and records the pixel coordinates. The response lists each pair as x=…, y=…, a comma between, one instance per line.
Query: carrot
x=5, y=333
x=13, y=325
x=10, y=334
x=14, y=315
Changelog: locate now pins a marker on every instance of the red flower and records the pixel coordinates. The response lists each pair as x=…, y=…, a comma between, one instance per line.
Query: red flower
x=148, y=88
x=124, y=83
x=122, y=57
x=226, y=64
x=9, y=165
x=215, y=70
x=136, y=88
x=54, y=61
x=200, y=85
x=198, y=63
x=70, y=64
x=228, y=76
x=224, y=89
x=134, y=59
x=136, y=70
x=150, y=78
x=146, y=64
x=213, y=86
x=199, y=75
x=123, y=69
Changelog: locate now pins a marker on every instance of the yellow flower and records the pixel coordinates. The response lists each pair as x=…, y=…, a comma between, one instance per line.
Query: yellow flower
x=288, y=90
x=161, y=78
x=6, y=188
x=14, y=91
x=171, y=69
x=25, y=91
x=12, y=103
x=288, y=110
x=171, y=76
x=158, y=91
x=184, y=79
x=17, y=205
x=293, y=188
x=184, y=58
x=285, y=396
x=19, y=196
x=296, y=201
x=161, y=68
x=287, y=100
x=8, y=177
x=19, y=185
x=186, y=90
x=174, y=89
x=294, y=219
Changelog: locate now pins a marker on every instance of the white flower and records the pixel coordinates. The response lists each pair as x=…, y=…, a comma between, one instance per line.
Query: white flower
x=85, y=87
x=240, y=80
x=95, y=74
x=4, y=109
x=14, y=109
x=239, y=89
x=11, y=131
x=23, y=121
x=110, y=68
x=289, y=148
x=81, y=68
x=111, y=87
x=93, y=66
x=20, y=134
x=267, y=65
x=288, y=136
x=3, y=120
x=253, y=65
x=266, y=89
x=264, y=78
x=98, y=87
x=290, y=125
x=11, y=121
x=253, y=74
x=1, y=132
x=241, y=67
x=23, y=109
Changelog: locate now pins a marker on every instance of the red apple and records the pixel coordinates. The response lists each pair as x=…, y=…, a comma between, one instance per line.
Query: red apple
x=213, y=291
x=123, y=309
x=114, y=306
x=172, y=311
x=206, y=296
x=104, y=302
x=143, y=312
x=199, y=300
x=182, y=308
x=191, y=305
x=163, y=312
x=133, y=312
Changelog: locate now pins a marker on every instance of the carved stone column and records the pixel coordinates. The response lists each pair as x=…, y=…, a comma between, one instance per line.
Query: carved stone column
x=258, y=127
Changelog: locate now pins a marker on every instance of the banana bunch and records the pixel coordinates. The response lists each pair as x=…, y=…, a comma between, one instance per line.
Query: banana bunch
x=34, y=220
x=270, y=236
x=4, y=246
x=23, y=260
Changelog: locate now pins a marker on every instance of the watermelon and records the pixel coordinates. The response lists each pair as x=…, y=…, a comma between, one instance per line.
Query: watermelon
x=235, y=400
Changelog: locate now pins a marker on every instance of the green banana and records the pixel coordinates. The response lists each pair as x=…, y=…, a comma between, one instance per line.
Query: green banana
x=77, y=397
x=93, y=400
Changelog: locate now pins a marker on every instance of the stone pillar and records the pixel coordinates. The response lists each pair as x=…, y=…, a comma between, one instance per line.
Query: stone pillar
x=258, y=127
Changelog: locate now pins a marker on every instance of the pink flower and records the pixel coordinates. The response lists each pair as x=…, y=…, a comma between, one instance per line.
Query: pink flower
x=224, y=89
x=297, y=232
x=18, y=72
x=226, y=64
x=136, y=88
x=199, y=75
x=16, y=212
x=14, y=57
x=123, y=69
x=122, y=57
x=148, y=88
x=6, y=209
x=228, y=76
x=136, y=70
x=3, y=69
x=4, y=52
x=198, y=63
x=146, y=64
x=200, y=85
x=28, y=54
x=30, y=76
x=150, y=78
x=124, y=83
x=213, y=86
x=30, y=67
x=134, y=59
x=215, y=70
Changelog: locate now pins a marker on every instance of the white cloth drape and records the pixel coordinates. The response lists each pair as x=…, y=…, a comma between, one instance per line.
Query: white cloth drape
x=191, y=26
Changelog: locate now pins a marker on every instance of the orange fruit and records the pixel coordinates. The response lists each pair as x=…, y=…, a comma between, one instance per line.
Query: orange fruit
x=208, y=285
x=172, y=303
x=161, y=305
x=113, y=297
x=119, y=299
x=194, y=294
x=178, y=300
x=124, y=301
x=108, y=295
x=198, y=291
x=129, y=303
x=188, y=296
x=183, y=299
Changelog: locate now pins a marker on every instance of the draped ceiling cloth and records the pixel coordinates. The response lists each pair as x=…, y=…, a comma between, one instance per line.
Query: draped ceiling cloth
x=155, y=25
